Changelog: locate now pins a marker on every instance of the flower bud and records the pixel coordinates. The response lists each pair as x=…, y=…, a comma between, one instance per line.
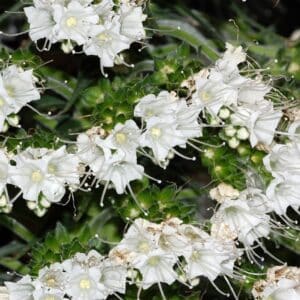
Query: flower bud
x=230, y=131
x=242, y=134
x=233, y=143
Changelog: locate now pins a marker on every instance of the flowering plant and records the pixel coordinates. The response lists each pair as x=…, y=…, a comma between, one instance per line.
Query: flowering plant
x=158, y=162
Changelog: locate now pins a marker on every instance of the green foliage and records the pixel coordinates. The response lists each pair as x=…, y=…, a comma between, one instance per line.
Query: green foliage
x=75, y=98
x=159, y=202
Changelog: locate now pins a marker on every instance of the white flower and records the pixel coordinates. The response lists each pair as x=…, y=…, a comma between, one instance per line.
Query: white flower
x=253, y=91
x=51, y=278
x=44, y=295
x=125, y=137
x=33, y=174
x=226, y=68
x=63, y=167
x=113, y=276
x=171, y=240
x=84, y=284
x=40, y=18
x=106, y=42
x=161, y=136
x=223, y=192
x=104, y=10
x=283, y=160
x=141, y=237
x=156, y=267
x=4, y=168
x=210, y=258
x=92, y=149
x=19, y=86
x=74, y=22
x=212, y=95
x=187, y=120
x=132, y=19
x=162, y=105
x=282, y=283
x=283, y=193
x=294, y=131
x=120, y=171
x=234, y=55
x=21, y=290
x=260, y=120
x=248, y=221
x=282, y=290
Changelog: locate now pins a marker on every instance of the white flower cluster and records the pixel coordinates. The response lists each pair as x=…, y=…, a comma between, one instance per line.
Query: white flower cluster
x=85, y=276
x=148, y=254
x=227, y=96
x=100, y=27
x=283, y=163
x=41, y=175
x=245, y=215
x=282, y=283
x=17, y=88
x=168, y=123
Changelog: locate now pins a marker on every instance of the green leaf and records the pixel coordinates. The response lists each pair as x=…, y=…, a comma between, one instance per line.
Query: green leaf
x=59, y=82
x=17, y=228
x=12, y=248
x=187, y=33
x=14, y=265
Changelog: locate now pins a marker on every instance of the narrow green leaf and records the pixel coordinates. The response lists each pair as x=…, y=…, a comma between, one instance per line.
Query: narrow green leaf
x=11, y=248
x=14, y=265
x=17, y=228
x=187, y=33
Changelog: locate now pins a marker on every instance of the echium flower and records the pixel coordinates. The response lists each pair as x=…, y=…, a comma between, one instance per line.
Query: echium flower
x=44, y=172
x=17, y=89
x=282, y=283
x=102, y=29
x=246, y=217
x=282, y=162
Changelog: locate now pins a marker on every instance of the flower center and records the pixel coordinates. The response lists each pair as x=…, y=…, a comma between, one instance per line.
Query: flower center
x=52, y=168
x=71, y=22
x=149, y=113
x=85, y=284
x=155, y=132
x=205, y=96
x=1, y=102
x=51, y=282
x=144, y=247
x=36, y=176
x=121, y=138
x=154, y=261
x=10, y=90
x=103, y=37
x=195, y=255
x=49, y=298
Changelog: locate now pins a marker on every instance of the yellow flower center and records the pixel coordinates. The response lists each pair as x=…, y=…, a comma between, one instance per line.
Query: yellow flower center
x=103, y=37
x=205, y=96
x=1, y=102
x=71, y=22
x=153, y=261
x=144, y=247
x=195, y=255
x=10, y=90
x=51, y=282
x=85, y=284
x=155, y=132
x=36, y=176
x=52, y=168
x=121, y=138
x=49, y=298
